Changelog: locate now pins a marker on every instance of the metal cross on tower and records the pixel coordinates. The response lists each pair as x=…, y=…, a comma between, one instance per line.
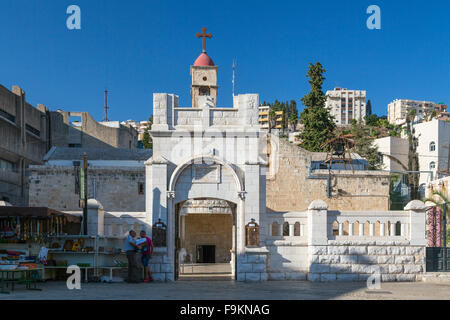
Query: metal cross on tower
x=204, y=35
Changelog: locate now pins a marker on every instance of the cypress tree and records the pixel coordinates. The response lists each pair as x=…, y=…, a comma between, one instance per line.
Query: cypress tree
x=318, y=125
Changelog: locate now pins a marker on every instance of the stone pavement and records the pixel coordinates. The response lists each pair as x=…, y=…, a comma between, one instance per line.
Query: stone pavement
x=231, y=290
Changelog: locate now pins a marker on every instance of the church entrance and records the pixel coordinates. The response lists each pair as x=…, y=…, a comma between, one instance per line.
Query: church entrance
x=205, y=240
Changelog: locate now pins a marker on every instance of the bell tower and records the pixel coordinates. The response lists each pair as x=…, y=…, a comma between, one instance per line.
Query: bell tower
x=204, y=74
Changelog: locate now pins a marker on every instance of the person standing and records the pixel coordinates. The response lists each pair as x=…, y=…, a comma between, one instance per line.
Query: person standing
x=147, y=253
x=130, y=248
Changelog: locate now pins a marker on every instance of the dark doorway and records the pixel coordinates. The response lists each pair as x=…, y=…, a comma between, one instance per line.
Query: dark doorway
x=206, y=254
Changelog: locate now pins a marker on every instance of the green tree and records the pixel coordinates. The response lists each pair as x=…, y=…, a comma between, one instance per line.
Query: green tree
x=369, y=108
x=364, y=145
x=413, y=158
x=147, y=142
x=372, y=120
x=293, y=114
x=318, y=124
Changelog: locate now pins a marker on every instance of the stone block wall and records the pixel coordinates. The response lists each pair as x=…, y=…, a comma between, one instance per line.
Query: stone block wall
x=117, y=188
x=287, y=261
x=356, y=261
x=290, y=189
x=252, y=266
x=161, y=266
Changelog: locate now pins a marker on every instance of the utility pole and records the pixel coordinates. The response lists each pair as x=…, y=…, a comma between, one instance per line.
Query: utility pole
x=106, y=106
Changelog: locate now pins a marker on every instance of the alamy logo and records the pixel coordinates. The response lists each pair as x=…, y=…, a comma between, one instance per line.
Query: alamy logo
x=74, y=20
x=374, y=21
x=74, y=280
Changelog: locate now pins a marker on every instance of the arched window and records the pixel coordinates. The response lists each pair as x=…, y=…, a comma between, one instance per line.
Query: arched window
x=432, y=146
x=432, y=165
x=398, y=229
x=297, y=229
x=286, y=229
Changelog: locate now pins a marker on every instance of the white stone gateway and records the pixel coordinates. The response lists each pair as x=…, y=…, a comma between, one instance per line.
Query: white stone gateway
x=206, y=153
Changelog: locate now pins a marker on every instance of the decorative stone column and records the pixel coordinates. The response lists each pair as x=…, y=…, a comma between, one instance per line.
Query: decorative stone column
x=291, y=229
x=95, y=218
x=317, y=223
x=417, y=221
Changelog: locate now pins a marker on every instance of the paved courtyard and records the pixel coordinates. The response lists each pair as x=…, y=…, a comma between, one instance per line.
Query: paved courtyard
x=230, y=290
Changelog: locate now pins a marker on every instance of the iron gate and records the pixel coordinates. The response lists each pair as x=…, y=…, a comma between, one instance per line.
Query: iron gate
x=437, y=259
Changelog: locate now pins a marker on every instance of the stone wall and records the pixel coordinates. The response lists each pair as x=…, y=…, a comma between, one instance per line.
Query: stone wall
x=288, y=260
x=356, y=261
x=252, y=265
x=161, y=265
x=290, y=189
x=117, y=188
x=321, y=250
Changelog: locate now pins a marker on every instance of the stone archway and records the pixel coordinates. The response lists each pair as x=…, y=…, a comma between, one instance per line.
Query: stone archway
x=200, y=178
x=206, y=244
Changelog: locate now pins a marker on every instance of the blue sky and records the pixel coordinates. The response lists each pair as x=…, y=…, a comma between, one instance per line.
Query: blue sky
x=135, y=48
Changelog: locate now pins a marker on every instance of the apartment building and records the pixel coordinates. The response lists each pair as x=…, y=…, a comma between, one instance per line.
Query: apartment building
x=264, y=118
x=23, y=141
x=400, y=108
x=345, y=105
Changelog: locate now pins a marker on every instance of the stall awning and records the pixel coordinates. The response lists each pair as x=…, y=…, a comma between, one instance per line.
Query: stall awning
x=40, y=212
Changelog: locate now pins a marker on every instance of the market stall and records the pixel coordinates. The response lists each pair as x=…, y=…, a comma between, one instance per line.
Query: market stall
x=23, y=232
x=49, y=241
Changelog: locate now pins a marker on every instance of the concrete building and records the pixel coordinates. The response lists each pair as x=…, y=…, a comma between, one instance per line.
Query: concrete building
x=264, y=118
x=394, y=150
x=27, y=134
x=433, y=148
x=80, y=130
x=345, y=105
x=140, y=127
x=399, y=109
x=23, y=141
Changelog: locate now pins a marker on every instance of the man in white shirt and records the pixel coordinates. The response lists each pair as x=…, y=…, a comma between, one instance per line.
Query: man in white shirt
x=130, y=248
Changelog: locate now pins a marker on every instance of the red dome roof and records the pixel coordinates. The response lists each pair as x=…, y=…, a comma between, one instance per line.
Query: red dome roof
x=203, y=60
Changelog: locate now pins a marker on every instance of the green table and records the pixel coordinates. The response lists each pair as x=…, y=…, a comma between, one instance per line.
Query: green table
x=8, y=277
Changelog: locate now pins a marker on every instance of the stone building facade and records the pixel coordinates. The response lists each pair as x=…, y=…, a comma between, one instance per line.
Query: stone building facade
x=116, y=179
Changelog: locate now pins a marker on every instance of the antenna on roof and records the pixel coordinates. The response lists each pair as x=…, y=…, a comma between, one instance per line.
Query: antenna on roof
x=106, y=106
x=234, y=65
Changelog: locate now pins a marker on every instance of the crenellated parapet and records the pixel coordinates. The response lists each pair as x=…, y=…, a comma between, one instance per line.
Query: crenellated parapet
x=167, y=115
